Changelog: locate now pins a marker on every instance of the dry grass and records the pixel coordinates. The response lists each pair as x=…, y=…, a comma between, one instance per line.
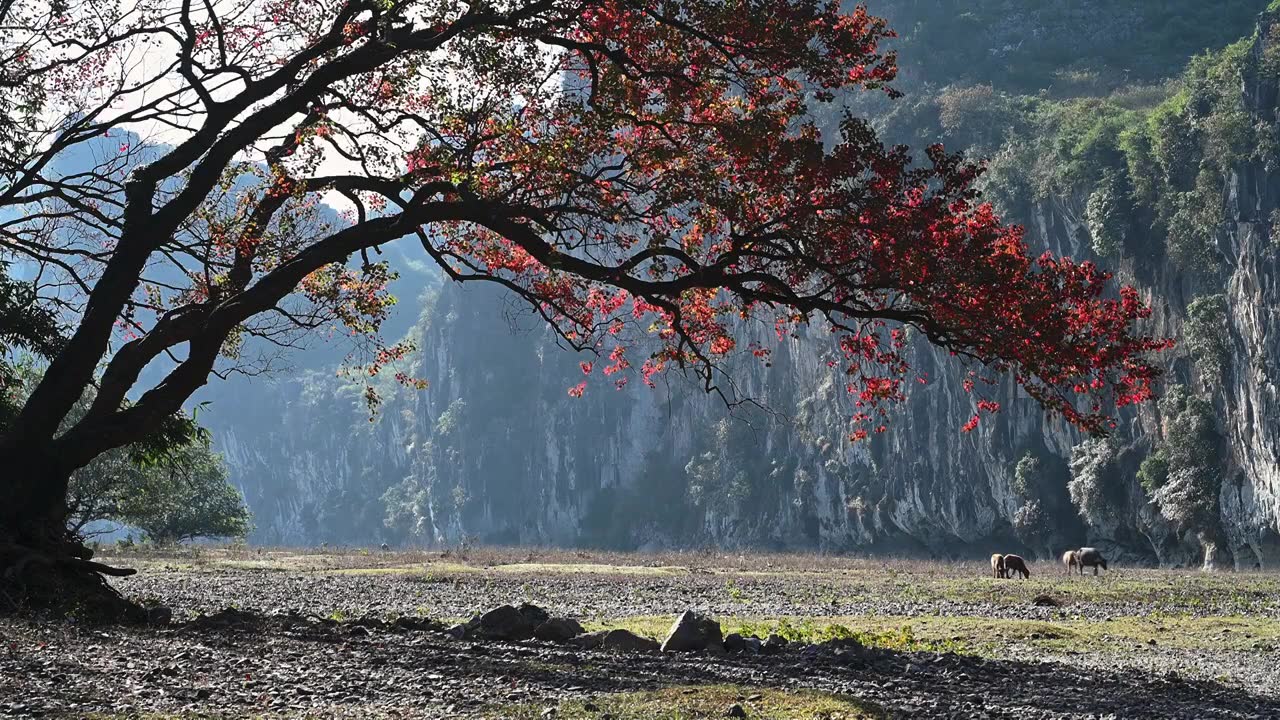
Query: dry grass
x=841, y=577
x=685, y=702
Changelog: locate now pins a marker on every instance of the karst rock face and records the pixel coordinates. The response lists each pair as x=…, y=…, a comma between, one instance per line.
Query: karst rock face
x=496, y=451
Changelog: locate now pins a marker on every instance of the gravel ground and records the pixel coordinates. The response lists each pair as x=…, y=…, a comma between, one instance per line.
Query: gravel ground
x=283, y=656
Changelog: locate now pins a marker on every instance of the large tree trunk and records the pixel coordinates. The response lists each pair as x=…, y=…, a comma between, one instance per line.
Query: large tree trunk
x=33, y=496
x=44, y=568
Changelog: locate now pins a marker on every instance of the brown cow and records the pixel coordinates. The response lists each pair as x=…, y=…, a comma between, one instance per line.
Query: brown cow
x=1070, y=560
x=997, y=566
x=1015, y=564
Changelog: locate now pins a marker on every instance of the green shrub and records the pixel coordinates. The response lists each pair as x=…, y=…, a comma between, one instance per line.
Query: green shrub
x=1026, y=475
x=1154, y=471
x=1206, y=335
x=1107, y=214
x=1184, y=474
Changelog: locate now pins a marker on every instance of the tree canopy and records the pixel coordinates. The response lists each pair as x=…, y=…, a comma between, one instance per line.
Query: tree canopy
x=644, y=174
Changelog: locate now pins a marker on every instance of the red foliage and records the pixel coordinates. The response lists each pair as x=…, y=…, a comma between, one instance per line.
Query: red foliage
x=656, y=182
x=721, y=204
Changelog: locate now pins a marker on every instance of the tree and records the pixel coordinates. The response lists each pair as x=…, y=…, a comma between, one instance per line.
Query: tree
x=630, y=169
x=24, y=326
x=1207, y=333
x=1033, y=528
x=182, y=497
x=1026, y=476
x=1183, y=474
x=1092, y=487
x=171, y=486
x=1107, y=213
x=185, y=498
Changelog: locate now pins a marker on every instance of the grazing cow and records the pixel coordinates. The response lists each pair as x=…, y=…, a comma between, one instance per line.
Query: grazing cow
x=1014, y=564
x=1070, y=561
x=1090, y=557
x=997, y=565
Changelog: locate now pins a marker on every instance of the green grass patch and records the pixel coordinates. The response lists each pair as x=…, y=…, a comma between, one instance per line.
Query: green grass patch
x=686, y=702
x=993, y=637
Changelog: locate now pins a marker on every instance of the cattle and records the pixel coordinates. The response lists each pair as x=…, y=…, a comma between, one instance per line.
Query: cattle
x=1014, y=564
x=997, y=565
x=1069, y=560
x=1090, y=557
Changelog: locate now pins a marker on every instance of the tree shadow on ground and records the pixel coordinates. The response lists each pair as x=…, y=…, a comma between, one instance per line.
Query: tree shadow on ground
x=246, y=664
x=901, y=681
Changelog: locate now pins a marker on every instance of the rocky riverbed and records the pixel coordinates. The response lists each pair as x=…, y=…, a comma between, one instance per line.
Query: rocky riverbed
x=367, y=635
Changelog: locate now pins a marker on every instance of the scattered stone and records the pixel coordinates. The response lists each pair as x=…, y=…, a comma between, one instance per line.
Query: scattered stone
x=627, y=641
x=505, y=623
x=693, y=631
x=735, y=711
x=558, y=630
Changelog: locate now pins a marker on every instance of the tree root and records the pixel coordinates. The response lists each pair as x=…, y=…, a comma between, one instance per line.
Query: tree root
x=62, y=581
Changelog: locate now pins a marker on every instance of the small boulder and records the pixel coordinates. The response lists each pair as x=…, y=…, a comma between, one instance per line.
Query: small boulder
x=505, y=623
x=533, y=614
x=589, y=641
x=385, y=547
x=775, y=643
x=735, y=643
x=627, y=641
x=159, y=615
x=558, y=630
x=693, y=631
x=457, y=632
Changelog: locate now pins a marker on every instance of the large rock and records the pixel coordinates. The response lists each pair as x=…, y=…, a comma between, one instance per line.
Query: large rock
x=533, y=614
x=505, y=623
x=627, y=641
x=558, y=630
x=693, y=631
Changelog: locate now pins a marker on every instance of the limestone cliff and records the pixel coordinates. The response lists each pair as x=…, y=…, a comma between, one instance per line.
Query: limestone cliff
x=496, y=450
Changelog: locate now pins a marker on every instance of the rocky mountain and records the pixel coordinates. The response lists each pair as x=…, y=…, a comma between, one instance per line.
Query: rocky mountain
x=1175, y=185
